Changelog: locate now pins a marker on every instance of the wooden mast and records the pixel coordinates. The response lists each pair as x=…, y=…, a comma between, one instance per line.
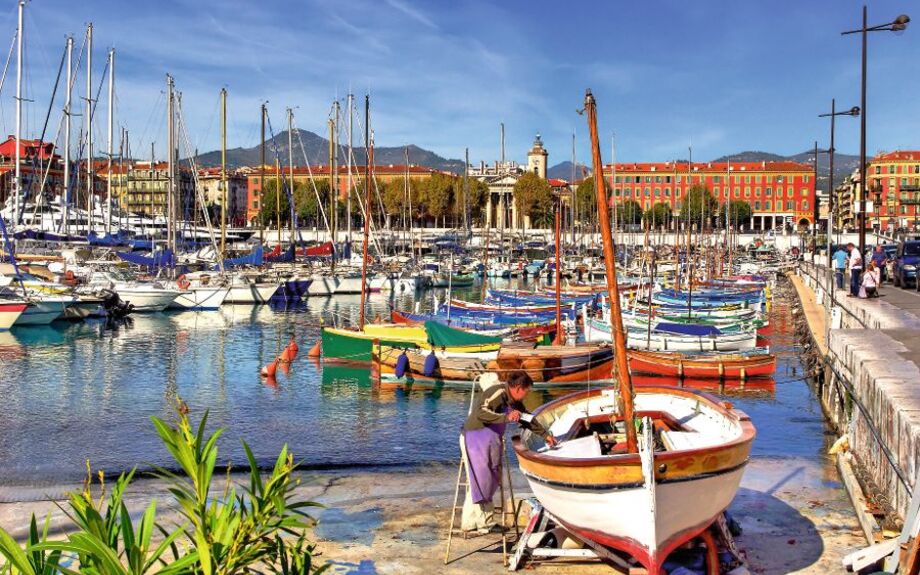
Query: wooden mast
x=621, y=366
x=560, y=338
x=367, y=209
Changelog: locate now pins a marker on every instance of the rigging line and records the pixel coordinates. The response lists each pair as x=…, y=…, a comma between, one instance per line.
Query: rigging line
x=361, y=205
x=6, y=68
x=319, y=202
x=57, y=83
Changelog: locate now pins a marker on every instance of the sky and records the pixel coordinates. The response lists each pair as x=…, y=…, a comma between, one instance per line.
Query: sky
x=722, y=76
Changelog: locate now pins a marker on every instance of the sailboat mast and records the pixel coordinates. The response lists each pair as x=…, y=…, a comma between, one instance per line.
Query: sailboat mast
x=621, y=367
x=17, y=181
x=66, y=202
x=333, y=190
x=89, y=128
x=279, y=181
x=291, y=177
x=111, y=136
x=262, y=178
x=559, y=337
x=348, y=183
x=222, y=187
x=170, y=173
x=466, y=188
x=367, y=209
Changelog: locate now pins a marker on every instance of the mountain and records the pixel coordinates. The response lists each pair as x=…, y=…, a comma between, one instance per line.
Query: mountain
x=563, y=171
x=317, y=151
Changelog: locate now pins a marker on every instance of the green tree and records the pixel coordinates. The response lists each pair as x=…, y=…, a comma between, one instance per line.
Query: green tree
x=739, y=213
x=436, y=196
x=699, y=202
x=629, y=212
x=305, y=201
x=533, y=196
x=586, y=201
x=478, y=194
x=658, y=215
x=269, y=204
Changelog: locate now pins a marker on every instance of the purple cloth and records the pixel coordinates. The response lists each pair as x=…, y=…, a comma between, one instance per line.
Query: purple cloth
x=484, y=458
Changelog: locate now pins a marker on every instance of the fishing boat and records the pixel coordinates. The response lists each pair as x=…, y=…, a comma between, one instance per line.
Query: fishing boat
x=356, y=346
x=641, y=471
x=718, y=366
x=418, y=364
x=10, y=310
x=693, y=451
x=597, y=330
x=555, y=364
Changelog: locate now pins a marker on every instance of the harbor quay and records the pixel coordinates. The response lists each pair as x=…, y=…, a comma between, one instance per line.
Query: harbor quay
x=865, y=358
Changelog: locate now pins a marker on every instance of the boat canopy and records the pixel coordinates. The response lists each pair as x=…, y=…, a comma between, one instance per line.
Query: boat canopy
x=251, y=259
x=162, y=259
x=440, y=335
x=688, y=328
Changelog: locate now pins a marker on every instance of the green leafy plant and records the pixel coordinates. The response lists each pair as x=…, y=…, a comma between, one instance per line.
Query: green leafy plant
x=259, y=527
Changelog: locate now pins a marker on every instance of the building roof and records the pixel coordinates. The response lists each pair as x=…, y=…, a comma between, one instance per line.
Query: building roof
x=557, y=183
x=900, y=155
x=721, y=167
x=28, y=148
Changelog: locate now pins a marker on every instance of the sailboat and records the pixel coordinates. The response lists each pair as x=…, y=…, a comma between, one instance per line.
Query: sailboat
x=645, y=492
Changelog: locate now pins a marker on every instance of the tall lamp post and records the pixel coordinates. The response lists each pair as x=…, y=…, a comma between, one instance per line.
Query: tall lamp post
x=897, y=25
x=854, y=111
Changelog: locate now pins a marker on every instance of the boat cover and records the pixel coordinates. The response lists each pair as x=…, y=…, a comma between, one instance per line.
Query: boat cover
x=162, y=259
x=251, y=259
x=445, y=336
x=688, y=328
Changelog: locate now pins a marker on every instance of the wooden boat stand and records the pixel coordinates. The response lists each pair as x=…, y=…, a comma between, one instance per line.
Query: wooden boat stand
x=508, y=512
x=542, y=521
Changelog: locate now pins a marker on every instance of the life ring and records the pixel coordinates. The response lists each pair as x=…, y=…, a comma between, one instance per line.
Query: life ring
x=182, y=282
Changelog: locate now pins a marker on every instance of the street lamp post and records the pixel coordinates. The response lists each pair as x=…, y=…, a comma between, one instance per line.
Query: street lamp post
x=897, y=25
x=831, y=203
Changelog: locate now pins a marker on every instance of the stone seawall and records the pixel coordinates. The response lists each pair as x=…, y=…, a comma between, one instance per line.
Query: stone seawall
x=869, y=384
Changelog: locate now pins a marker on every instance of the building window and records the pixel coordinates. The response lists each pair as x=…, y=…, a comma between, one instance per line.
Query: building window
x=657, y=179
x=804, y=204
x=757, y=205
x=667, y=192
x=715, y=191
x=779, y=179
x=747, y=178
x=737, y=179
x=768, y=205
x=678, y=179
x=667, y=179
x=769, y=192
x=789, y=205
x=618, y=179
x=716, y=179
x=648, y=192
x=657, y=192
x=790, y=191
x=648, y=179
x=747, y=191
x=757, y=192
x=804, y=179
x=878, y=169
x=757, y=179
x=737, y=191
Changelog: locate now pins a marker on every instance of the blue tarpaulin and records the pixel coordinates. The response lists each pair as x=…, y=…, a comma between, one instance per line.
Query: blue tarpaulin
x=688, y=328
x=253, y=259
x=155, y=260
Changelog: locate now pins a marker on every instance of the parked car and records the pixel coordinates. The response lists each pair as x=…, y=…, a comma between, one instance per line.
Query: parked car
x=906, y=261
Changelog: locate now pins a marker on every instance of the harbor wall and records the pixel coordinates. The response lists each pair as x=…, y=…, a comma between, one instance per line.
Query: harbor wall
x=868, y=380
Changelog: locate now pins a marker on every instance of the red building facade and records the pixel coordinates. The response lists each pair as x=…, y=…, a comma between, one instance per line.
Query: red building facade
x=779, y=193
x=894, y=188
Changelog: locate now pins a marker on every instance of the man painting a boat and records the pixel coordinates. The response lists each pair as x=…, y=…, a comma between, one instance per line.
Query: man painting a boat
x=481, y=445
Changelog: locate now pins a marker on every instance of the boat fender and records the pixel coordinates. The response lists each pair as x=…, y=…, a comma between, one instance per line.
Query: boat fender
x=182, y=282
x=431, y=364
x=402, y=364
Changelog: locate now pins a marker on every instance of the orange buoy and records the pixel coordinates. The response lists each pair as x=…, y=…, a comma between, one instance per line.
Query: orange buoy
x=316, y=350
x=285, y=356
x=285, y=368
x=270, y=369
x=293, y=345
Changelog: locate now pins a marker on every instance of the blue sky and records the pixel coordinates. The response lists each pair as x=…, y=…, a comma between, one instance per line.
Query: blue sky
x=728, y=76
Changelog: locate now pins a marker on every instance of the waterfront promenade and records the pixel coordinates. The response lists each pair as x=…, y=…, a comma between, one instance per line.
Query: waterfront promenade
x=868, y=364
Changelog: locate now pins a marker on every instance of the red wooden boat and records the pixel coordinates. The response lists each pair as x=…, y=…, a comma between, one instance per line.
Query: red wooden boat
x=702, y=367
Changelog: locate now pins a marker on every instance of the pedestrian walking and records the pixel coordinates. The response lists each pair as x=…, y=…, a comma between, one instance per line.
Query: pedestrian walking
x=855, y=266
x=840, y=265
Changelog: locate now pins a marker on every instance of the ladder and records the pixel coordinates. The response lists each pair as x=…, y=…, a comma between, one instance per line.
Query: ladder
x=508, y=512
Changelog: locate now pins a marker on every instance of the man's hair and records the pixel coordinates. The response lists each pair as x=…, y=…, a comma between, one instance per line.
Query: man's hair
x=519, y=378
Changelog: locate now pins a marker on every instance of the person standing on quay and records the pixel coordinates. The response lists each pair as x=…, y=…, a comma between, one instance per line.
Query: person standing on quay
x=840, y=265
x=871, y=281
x=880, y=259
x=855, y=266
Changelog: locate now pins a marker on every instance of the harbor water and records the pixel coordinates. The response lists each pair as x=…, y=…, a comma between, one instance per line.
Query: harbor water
x=78, y=392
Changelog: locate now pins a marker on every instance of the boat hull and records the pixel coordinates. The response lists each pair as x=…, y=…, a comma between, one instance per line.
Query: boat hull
x=147, y=300
x=251, y=293
x=9, y=313
x=41, y=313
x=677, y=365
x=201, y=298
x=322, y=286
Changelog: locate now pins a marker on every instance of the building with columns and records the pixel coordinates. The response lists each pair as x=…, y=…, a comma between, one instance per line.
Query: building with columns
x=500, y=210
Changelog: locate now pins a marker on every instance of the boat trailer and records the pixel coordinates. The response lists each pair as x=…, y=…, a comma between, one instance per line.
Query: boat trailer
x=544, y=538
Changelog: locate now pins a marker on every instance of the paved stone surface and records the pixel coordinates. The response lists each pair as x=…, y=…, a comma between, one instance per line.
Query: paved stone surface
x=796, y=519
